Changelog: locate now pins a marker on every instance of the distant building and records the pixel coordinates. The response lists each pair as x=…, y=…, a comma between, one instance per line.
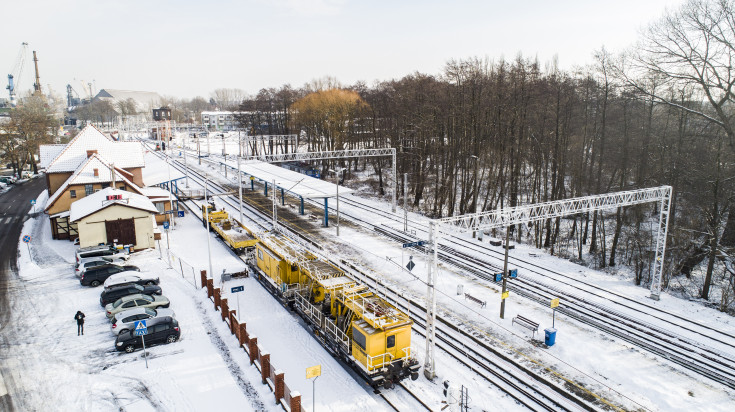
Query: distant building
x=220, y=120
x=160, y=114
x=144, y=101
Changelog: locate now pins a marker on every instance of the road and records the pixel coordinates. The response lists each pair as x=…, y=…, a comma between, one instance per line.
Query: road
x=14, y=207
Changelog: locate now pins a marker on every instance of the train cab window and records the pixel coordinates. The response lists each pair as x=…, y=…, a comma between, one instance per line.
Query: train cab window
x=294, y=268
x=260, y=254
x=359, y=338
x=391, y=341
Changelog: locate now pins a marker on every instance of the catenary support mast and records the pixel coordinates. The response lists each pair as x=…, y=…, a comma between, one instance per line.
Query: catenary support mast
x=529, y=213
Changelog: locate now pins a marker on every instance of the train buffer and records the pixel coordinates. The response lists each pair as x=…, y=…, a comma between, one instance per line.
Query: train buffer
x=526, y=323
x=471, y=298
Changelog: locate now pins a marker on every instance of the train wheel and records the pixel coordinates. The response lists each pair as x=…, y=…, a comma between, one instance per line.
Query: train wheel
x=414, y=376
x=388, y=384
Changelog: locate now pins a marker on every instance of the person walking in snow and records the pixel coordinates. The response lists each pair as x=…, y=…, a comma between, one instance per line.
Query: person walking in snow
x=79, y=317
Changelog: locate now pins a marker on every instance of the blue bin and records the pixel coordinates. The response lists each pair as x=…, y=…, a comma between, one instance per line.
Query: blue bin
x=550, y=338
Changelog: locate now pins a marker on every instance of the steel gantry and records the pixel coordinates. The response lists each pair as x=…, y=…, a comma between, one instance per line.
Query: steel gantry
x=334, y=154
x=529, y=213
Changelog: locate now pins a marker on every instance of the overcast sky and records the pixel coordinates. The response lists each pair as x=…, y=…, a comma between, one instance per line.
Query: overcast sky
x=187, y=48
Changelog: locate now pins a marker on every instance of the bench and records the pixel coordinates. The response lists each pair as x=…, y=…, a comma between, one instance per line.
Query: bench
x=526, y=323
x=467, y=296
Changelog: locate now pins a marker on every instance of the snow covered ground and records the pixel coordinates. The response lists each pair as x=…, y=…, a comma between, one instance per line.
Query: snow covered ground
x=608, y=367
x=207, y=370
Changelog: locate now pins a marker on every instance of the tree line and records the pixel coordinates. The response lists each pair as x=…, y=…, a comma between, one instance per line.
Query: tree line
x=485, y=134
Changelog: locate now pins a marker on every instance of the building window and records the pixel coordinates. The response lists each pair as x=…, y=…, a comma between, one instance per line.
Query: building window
x=88, y=190
x=161, y=206
x=105, y=185
x=122, y=187
x=72, y=194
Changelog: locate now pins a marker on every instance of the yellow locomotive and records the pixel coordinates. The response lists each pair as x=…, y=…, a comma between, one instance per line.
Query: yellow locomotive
x=353, y=323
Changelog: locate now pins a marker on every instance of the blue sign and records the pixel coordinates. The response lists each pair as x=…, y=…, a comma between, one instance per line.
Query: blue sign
x=141, y=328
x=181, y=213
x=237, y=289
x=27, y=238
x=513, y=273
x=33, y=201
x=412, y=244
x=165, y=225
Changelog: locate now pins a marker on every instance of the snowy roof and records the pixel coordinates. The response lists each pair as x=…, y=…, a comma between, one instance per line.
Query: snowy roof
x=123, y=154
x=156, y=171
x=98, y=201
x=85, y=175
x=293, y=182
x=48, y=152
x=143, y=100
x=150, y=192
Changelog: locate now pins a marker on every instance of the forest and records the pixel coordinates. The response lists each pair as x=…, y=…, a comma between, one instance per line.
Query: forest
x=489, y=133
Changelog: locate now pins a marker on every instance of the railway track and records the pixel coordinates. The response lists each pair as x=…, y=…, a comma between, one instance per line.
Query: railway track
x=694, y=356
x=520, y=383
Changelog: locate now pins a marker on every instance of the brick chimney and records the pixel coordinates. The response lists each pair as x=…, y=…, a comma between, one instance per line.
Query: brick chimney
x=90, y=153
x=96, y=172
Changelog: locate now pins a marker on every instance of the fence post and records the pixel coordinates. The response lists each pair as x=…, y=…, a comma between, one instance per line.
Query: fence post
x=217, y=297
x=243, y=333
x=224, y=308
x=265, y=366
x=253, y=346
x=278, y=390
x=234, y=327
x=210, y=288
x=203, y=275
x=295, y=402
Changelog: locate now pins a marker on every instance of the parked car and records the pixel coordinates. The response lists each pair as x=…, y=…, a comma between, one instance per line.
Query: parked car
x=116, y=292
x=8, y=180
x=96, y=275
x=99, y=251
x=135, y=301
x=160, y=330
x=125, y=320
x=143, y=279
x=86, y=263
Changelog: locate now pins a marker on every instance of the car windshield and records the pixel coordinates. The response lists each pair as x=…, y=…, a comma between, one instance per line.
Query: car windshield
x=118, y=303
x=147, y=298
x=150, y=312
x=140, y=288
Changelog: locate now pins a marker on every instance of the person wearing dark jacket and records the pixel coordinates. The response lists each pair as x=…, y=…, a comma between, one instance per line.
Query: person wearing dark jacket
x=79, y=317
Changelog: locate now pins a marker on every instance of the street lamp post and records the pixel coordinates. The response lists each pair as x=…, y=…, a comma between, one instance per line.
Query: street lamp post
x=206, y=217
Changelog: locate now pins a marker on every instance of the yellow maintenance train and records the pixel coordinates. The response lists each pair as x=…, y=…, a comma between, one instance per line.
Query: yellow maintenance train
x=353, y=323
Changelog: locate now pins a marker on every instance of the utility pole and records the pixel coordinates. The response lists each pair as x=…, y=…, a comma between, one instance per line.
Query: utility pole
x=275, y=207
x=405, y=196
x=505, y=273
x=206, y=217
x=199, y=151
x=429, y=365
x=239, y=184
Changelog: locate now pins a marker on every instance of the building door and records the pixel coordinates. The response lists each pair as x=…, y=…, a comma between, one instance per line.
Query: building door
x=121, y=229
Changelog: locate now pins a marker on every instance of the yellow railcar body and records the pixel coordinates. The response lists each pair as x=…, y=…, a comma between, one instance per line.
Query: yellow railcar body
x=374, y=348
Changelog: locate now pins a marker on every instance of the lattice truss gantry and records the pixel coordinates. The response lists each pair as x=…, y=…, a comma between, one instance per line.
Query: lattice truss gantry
x=530, y=213
x=335, y=154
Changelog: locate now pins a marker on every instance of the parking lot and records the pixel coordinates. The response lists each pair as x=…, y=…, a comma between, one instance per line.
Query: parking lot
x=64, y=371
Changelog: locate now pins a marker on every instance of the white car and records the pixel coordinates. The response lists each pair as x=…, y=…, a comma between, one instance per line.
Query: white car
x=99, y=251
x=125, y=320
x=86, y=263
x=140, y=278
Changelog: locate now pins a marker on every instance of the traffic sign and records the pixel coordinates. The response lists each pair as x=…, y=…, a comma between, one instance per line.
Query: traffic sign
x=505, y=295
x=141, y=329
x=314, y=371
x=554, y=302
x=165, y=225
x=237, y=289
x=33, y=201
x=181, y=213
x=410, y=265
x=27, y=238
x=412, y=244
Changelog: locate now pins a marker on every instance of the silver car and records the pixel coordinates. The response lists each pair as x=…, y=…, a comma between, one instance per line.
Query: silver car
x=125, y=320
x=135, y=301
